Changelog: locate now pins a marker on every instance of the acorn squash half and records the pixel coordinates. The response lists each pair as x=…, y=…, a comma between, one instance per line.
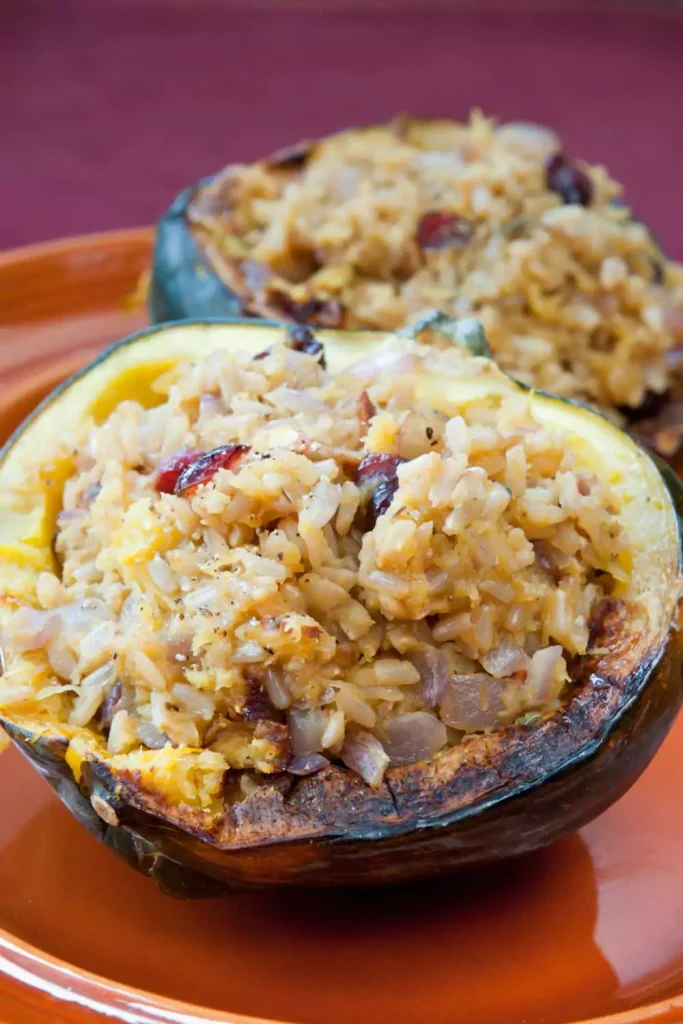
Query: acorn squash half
x=211, y=258
x=499, y=794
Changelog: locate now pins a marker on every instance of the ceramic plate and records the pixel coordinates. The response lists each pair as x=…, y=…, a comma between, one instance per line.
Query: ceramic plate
x=590, y=928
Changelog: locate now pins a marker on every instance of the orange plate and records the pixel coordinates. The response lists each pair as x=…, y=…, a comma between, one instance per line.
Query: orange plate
x=589, y=928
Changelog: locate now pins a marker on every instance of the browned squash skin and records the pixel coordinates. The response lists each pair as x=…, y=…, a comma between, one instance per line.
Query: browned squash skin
x=487, y=800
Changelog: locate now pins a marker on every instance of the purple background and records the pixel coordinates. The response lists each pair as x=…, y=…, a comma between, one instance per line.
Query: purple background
x=107, y=109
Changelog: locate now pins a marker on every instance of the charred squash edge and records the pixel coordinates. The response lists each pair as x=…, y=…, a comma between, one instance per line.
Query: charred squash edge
x=492, y=798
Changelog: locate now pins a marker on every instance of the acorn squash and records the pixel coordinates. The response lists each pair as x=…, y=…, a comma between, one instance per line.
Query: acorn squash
x=504, y=792
x=363, y=228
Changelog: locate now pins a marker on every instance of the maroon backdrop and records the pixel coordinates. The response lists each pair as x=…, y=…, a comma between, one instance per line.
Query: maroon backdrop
x=109, y=108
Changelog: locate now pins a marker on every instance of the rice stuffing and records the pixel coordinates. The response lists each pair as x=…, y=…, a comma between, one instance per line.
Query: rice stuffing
x=369, y=227
x=276, y=568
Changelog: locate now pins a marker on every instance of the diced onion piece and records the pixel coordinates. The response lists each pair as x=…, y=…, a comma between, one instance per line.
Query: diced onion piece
x=472, y=702
x=276, y=687
x=306, y=730
x=92, y=693
x=384, y=363
x=162, y=576
x=412, y=737
x=192, y=699
x=307, y=764
x=505, y=660
x=364, y=754
x=31, y=629
x=434, y=674
x=544, y=674
x=302, y=401
x=151, y=737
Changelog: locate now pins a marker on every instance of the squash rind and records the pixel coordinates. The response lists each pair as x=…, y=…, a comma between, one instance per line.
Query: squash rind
x=182, y=284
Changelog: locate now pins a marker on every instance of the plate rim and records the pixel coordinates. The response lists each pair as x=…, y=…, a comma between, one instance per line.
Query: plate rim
x=92, y=992
x=119, y=237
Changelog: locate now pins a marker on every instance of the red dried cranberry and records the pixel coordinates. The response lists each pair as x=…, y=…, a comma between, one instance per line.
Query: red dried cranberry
x=206, y=466
x=170, y=468
x=568, y=180
x=378, y=480
x=439, y=229
x=376, y=467
x=302, y=339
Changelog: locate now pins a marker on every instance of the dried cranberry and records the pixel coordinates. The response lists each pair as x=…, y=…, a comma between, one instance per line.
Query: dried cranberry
x=170, y=468
x=377, y=478
x=382, y=498
x=376, y=467
x=568, y=180
x=439, y=229
x=302, y=339
x=321, y=312
x=206, y=466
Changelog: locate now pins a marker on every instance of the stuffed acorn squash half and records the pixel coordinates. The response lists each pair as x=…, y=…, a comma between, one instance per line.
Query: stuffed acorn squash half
x=367, y=228
x=334, y=610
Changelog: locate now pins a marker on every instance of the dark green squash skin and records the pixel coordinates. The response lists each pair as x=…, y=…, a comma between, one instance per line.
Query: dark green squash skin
x=182, y=284
x=537, y=783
